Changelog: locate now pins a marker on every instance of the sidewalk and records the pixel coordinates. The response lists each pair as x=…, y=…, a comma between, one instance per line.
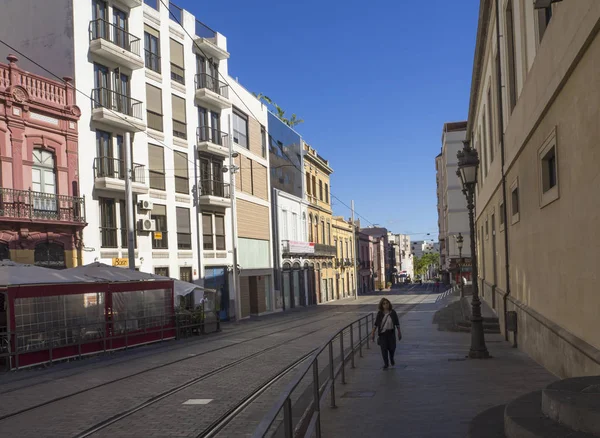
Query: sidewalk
x=433, y=391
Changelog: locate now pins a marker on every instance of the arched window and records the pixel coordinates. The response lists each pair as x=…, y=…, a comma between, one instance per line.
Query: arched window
x=310, y=228
x=43, y=181
x=4, y=251
x=50, y=255
x=303, y=231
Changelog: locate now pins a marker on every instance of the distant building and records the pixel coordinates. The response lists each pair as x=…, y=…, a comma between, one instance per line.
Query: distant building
x=382, y=271
x=366, y=249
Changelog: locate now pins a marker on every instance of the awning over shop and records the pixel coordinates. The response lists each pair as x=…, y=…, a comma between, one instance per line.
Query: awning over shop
x=17, y=274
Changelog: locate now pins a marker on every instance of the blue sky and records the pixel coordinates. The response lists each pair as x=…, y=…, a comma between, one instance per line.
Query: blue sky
x=374, y=81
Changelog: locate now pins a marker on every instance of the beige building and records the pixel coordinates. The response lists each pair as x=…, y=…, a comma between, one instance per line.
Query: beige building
x=345, y=274
x=317, y=173
x=537, y=195
x=253, y=202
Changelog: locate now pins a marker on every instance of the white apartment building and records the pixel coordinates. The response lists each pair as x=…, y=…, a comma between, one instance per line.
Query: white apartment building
x=405, y=255
x=453, y=215
x=139, y=74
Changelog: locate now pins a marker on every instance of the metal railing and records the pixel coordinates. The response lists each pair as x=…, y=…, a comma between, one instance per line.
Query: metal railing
x=152, y=60
x=309, y=418
x=19, y=342
x=212, y=187
x=204, y=80
x=27, y=204
x=325, y=250
x=105, y=98
x=107, y=167
x=102, y=29
x=206, y=133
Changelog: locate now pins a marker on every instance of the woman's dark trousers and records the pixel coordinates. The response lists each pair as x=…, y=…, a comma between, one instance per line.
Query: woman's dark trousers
x=387, y=343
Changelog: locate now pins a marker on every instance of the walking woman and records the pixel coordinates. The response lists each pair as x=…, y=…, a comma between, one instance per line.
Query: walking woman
x=386, y=324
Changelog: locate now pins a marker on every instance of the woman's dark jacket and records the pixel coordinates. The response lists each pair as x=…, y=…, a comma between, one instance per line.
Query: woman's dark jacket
x=380, y=316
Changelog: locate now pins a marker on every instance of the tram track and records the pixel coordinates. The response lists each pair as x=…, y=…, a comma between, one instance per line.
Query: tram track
x=184, y=359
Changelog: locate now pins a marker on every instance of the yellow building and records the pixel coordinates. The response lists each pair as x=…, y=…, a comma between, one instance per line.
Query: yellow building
x=317, y=174
x=345, y=274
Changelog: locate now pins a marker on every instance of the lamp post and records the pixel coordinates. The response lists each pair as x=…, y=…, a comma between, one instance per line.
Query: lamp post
x=468, y=162
x=459, y=243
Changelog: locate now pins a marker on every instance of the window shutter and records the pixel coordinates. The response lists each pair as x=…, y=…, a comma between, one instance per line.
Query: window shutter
x=183, y=220
x=178, y=105
x=176, y=53
x=156, y=158
x=154, y=99
x=151, y=31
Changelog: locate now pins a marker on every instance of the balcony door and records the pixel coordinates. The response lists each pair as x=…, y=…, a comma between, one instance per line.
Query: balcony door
x=121, y=101
x=102, y=86
x=43, y=181
x=121, y=37
x=99, y=16
x=215, y=124
x=121, y=156
x=211, y=175
x=104, y=150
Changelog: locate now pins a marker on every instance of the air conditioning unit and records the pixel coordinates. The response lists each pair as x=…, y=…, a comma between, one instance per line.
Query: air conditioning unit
x=147, y=225
x=145, y=205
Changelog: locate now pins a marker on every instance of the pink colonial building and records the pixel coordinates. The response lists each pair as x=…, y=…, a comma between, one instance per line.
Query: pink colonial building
x=41, y=211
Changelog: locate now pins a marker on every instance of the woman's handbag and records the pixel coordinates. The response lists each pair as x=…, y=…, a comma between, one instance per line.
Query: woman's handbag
x=379, y=329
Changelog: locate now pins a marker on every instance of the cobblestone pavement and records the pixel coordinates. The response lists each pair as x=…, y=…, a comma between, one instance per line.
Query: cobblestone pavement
x=433, y=391
x=69, y=399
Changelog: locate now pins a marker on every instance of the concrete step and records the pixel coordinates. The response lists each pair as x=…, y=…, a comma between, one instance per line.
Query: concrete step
x=523, y=418
x=488, y=424
x=574, y=403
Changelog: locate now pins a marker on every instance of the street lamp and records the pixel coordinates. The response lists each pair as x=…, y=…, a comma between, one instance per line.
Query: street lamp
x=459, y=243
x=468, y=162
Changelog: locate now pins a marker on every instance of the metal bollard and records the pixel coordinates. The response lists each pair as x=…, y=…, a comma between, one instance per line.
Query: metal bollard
x=352, y=344
x=332, y=375
x=287, y=418
x=343, y=357
x=316, y=396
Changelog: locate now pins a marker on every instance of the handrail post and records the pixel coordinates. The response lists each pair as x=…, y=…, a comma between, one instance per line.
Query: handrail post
x=317, y=405
x=367, y=330
x=352, y=344
x=287, y=418
x=360, y=339
x=332, y=374
x=343, y=355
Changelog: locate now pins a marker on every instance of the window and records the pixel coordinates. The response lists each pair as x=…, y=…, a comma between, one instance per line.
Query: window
x=323, y=232
x=335, y=243
x=303, y=230
x=43, y=182
x=49, y=255
x=177, y=65
x=179, y=119
x=514, y=190
x=320, y=190
x=487, y=229
x=310, y=228
x=182, y=181
x=327, y=193
x=549, y=170
x=108, y=223
x=162, y=271
x=510, y=49
x=543, y=16
x=284, y=225
x=328, y=233
x=152, y=3
x=159, y=215
x=154, y=110
x=4, y=251
x=156, y=159
x=308, y=190
x=263, y=138
x=213, y=238
x=502, y=214
x=294, y=226
x=490, y=124
x=314, y=186
x=152, y=48
x=486, y=144
x=184, y=228
x=123, y=218
x=240, y=129
x=185, y=274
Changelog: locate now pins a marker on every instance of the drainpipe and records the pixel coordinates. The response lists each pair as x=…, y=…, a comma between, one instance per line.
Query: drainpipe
x=501, y=137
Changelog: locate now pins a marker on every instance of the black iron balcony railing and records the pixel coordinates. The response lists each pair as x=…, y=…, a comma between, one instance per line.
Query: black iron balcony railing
x=102, y=29
x=210, y=187
x=106, y=167
x=213, y=135
x=152, y=60
x=204, y=80
x=325, y=250
x=105, y=98
x=30, y=205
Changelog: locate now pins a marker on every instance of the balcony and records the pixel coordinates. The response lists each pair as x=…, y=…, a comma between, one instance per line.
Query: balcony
x=211, y=92
x=215, y=193
x=117, y=110
x=206, y=41
x=131, y=3
x=115, y=44
x=109, y=174
x=212, y=141
x=322, y=250
x=27, y=205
